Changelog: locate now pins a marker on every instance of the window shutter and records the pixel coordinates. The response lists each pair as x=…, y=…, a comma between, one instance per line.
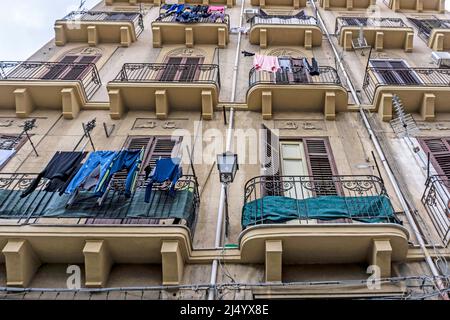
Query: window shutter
x=77, y=70
x=170, y=69
x=395, y=72
x=58, y=69
x=270, y=148
x=163, y=147
x=190, y=69
x=439, y=150
x=154, y=149
x=321, y=165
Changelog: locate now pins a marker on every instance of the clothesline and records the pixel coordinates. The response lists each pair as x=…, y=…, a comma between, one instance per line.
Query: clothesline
x=275, y=64
x=192, y=13
x=67, y=174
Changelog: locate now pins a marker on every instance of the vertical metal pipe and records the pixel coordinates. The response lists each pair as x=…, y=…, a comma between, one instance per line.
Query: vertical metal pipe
x=223, y=191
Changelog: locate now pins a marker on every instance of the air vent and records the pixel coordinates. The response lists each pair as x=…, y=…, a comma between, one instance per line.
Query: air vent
x=442, y=59
x=250, y=13
x=360, y=43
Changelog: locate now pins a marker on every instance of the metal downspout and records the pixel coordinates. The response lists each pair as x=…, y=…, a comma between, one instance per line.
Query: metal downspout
x=220, y=215
x=386, y=166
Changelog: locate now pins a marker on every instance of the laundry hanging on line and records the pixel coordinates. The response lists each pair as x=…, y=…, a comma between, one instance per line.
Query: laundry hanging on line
x=59, y=171
x=266, y=63
x=166, y=170
x=283, y=64
x=107, y=163
x=193, y=13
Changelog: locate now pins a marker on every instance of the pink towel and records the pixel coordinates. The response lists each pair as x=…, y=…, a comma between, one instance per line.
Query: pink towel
x=266, y=63
x=220, y=9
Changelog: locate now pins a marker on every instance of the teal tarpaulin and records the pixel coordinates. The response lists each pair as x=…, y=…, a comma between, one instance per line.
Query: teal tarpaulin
x=277, y=209
x=50, y=204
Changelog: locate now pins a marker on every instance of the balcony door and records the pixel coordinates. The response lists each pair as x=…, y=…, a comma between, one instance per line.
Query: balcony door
x=71, y=67
x=394, y=72
x=293, y=166
x=181, y=69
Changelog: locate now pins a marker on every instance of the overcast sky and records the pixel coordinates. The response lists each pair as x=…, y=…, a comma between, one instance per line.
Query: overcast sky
x=31, y=21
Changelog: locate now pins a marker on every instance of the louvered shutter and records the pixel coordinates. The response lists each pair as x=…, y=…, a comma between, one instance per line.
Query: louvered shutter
x=170, y=69
x=78, y=69
x=270, y=148
x=406, y=75
x=57, y=69
x=190, y=69
x=439, y=149
x=163, y=147
x=395, y=72
x=154, y=149
x=321, y=166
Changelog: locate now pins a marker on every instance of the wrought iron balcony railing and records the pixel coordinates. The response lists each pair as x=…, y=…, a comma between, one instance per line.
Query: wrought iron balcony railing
x=108, y=16
x=423, y=77
x=436, y=199
x=368, y=22
x=425, y=26
x=283, y=20
x=327, y=75
x=164, y=72
x=181, y=207
x=312, y=200
x=85, y=73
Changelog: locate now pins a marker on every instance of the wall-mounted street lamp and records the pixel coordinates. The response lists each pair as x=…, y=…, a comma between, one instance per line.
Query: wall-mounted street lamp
x=227, y=163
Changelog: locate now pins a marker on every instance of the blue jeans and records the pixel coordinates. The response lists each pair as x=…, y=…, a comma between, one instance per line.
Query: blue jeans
x=103, y=159
x=129, y=160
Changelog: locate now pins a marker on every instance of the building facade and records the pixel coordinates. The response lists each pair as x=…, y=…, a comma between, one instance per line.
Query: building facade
x=338, y=111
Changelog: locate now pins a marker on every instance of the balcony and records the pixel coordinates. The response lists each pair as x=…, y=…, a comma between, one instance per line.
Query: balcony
x=296, y=91
x=422, y=90
x=296, y=4
x=435, y=32
x=280, y=30
x=320, y=220
x=228, y=3
x=346, y=4
x=380, y=33
x=46, y=228
x=94, y=27
x=171, y=29
x=416, y=5
x=29, y=85
x=436, y=199
x=159, y=87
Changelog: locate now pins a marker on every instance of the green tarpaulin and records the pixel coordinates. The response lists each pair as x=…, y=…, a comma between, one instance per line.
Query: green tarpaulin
x=49, y=204
x=277, y=209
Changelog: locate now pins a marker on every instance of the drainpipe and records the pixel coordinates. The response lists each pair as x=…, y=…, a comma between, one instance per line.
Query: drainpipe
x=220, y=215
x=391, y=176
